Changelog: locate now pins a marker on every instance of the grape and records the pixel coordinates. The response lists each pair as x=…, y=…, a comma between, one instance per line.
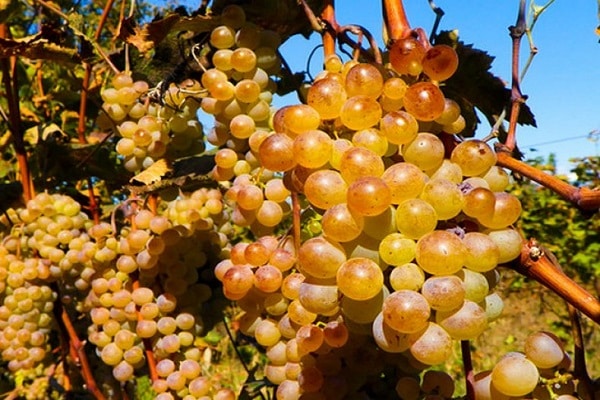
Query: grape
x=445, y=197
x=320, y=257
x=364, y=79
x=123, y=371
x=415, y=218
x=300, y=118
x=243, y=59
x=335, y=334
x=424, y=100
x=341, y=224
x=431, y=346
x=426, y=151
x=544, y=349
x=444, y=293
x=406, y=56
x=515, y=375
x=399, y=127
x=509, y=243
x=396, y=249
x=371, y=139
x=440, y=253
x=408, y=388
x=359, y=278
x=479, y=202
x=309, y=338
x=507, y=209
x=389, y=339
x=360, y=112
x=440, y=62
x=406, y=311
x=312, y=149
x=319, y=299
x=325, y=188
x=474, y=157
x=369, y=196
x=465, y=323
x=363, y=311
x=438, y=382
x=358, y=162
x=475, y=284
x=327, y=96
x=276, y=152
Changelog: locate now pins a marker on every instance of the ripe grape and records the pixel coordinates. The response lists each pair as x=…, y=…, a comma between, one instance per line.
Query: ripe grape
x=515, y=375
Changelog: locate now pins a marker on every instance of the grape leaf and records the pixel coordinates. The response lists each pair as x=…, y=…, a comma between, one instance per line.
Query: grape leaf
x=147, y=37
x=474, y=86
x=186, y=174
x=40, y=46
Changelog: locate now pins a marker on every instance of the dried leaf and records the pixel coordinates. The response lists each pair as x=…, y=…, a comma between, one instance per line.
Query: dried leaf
x=153, y=174
x=146, y=37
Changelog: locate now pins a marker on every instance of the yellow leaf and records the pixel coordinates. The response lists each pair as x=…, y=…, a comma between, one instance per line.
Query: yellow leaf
x=153, y=174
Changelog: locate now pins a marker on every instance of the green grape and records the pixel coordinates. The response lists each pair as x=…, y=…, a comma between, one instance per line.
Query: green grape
x=388, y=339
x=320, y=258
x=444, y=196
x=341, y=224
x=371, y=139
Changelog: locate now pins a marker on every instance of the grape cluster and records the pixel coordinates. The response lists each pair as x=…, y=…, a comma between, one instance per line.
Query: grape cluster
x=542, y=371
x=48, y=237
x=414, y=221
x=148, y=130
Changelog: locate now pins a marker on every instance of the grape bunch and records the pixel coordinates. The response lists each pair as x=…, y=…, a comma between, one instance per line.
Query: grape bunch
x=413, y=221
x=542, y=371
x=150, y=130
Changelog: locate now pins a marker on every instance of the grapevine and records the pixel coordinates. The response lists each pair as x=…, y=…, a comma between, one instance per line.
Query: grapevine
x=355, y=238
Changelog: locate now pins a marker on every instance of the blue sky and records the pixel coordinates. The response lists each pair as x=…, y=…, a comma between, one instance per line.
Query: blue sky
x=563, y=83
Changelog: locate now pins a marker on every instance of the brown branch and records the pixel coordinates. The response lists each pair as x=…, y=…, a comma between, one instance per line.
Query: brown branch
x=81, y=126
x=465, y=347
x=396, y=22
x=328, y=36
x=78, y=346
x=11, y=86
x=536, y=263
x=516, y=33
x=584, y=198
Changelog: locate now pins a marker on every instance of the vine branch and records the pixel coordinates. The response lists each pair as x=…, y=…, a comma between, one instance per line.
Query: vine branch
x=516, y=33
x=535, y=262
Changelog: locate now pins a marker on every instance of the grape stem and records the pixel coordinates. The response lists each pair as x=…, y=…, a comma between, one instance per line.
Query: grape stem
x=465, y=348
x=516, y=33
x=396, y=22
x=77, y=346
x=340, y=32
x=328, y=37
x=584, y=198
x=538, y=263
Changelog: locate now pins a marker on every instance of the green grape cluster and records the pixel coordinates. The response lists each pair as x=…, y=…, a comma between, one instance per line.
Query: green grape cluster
x=542, y=371
x=151, y=130
x=414, y=222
